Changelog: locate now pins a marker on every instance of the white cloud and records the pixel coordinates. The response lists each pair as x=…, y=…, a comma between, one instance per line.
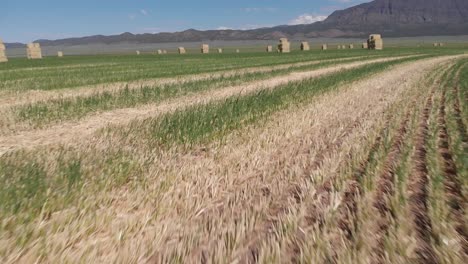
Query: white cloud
x=307, y=19
x=132, y=16
x=224, y=28
x=144, y=12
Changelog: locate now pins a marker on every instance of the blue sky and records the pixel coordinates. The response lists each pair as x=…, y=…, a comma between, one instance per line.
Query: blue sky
x=28, y=20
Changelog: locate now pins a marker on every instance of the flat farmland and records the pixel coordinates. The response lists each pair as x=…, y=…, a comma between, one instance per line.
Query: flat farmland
x=338, y=156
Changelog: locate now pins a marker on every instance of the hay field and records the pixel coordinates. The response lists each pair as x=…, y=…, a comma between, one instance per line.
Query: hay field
x=338, y=156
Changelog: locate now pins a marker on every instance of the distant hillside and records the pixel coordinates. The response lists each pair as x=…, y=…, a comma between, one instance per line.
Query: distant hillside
x=402, y=18
x=403, y=12
x=392, y=18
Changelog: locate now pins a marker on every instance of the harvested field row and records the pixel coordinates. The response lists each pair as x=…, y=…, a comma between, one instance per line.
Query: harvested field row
x=129, y=69
x=347, y=216
x=453, y=186
x=462, y=129
x=418, y=192
x=347, y=228
x=384, y=191
x=71, y=131
x=52, y=111
x=8, y=99
x=281, y=208
x=65, y=92
x=295, y=193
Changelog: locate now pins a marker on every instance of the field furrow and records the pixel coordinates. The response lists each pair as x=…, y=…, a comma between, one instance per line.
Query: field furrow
x=347, y=217
x=418, y=192
x=452, y=184
x=384, y=191
x=462, y=129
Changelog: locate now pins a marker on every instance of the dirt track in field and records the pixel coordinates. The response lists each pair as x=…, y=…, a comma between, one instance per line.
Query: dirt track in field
x=70, y=132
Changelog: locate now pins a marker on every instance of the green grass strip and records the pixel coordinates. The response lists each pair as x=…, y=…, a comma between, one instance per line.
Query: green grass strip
x=42, y=113
x=14, y=76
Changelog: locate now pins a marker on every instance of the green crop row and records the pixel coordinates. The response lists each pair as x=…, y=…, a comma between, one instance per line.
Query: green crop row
x=68, y=72
x=42, y=113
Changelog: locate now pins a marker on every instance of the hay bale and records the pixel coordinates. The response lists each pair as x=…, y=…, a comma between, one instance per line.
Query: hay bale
x=351, y=46
x=365, y=45
x=441, y=44
x=269, y=48
x=237, y=51
x=3, y=57
x=324, y=46
x=378, y=44
x=284, y=46
x=220, y=51
x=138, y=52
x=339, y=46
x=164, y=51
x=60, y=54
x=375, y=42
x=160, y=52
x=343, y=46
x=181, y=50
x=34, y=51
x=375, y=36
x=205, y=48
x=305, y=46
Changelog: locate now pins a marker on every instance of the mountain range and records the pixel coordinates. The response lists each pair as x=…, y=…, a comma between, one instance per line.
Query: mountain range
x=391, y=18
